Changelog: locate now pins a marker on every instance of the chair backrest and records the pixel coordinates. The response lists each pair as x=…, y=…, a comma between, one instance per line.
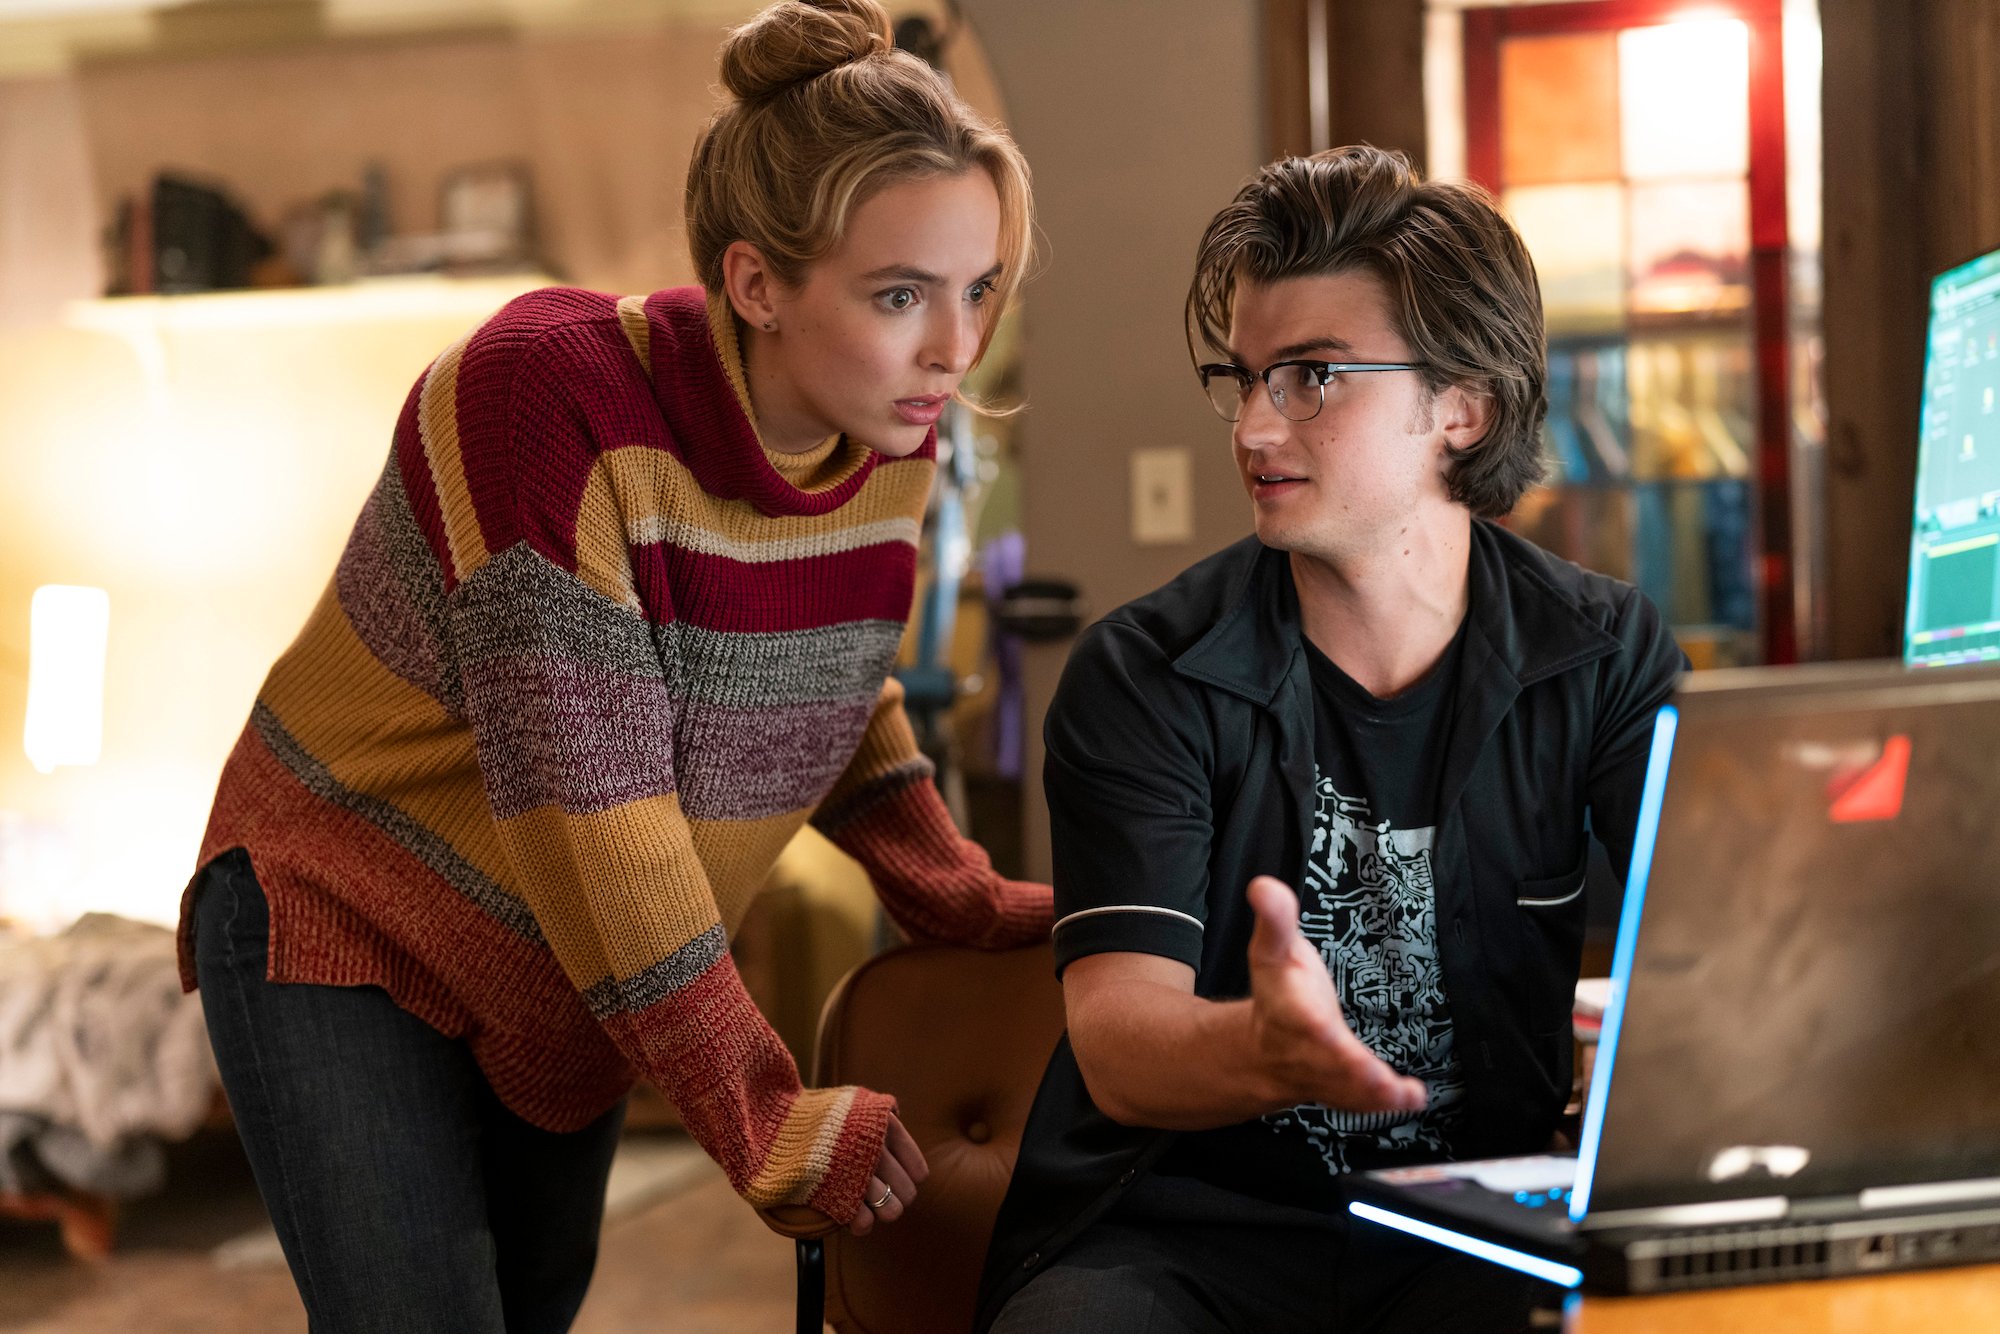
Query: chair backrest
x=960, y=1038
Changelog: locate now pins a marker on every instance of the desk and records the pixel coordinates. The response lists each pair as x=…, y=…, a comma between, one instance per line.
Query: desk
x=1935, y=1301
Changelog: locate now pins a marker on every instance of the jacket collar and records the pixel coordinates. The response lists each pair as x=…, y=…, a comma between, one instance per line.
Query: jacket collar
x=1530, y=628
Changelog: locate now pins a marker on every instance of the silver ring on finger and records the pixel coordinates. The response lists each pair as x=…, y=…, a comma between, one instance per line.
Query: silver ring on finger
x=888, y=1194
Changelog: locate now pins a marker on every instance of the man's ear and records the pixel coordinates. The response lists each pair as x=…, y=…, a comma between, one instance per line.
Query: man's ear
x=749, y=284
x=1466, y=415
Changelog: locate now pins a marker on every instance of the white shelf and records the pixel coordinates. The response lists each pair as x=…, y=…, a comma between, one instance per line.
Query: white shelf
x=369, y=301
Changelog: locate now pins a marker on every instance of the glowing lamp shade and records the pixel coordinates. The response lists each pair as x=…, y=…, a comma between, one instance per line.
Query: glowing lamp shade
x=68, y=628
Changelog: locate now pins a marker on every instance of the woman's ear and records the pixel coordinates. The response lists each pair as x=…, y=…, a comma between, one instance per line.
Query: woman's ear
x=749, y=284
x=1466, y=415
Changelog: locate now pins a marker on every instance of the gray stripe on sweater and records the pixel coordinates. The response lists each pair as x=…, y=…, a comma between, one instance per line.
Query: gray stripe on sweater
x=649, y=987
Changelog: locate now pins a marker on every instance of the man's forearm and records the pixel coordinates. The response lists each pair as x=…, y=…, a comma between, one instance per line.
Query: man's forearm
x=1155, y=1055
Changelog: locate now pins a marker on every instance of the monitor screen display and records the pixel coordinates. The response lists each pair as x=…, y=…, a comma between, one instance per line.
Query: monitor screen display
x=1953, y=613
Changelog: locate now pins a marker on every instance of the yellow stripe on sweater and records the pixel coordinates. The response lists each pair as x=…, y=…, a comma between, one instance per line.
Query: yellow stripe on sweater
x=377, y=734
x=616, y=891
x=437, y=426
x=661, y=501
x=801, y=1152
x=603, y=561
x=348, y=710
x=739, y=855
x=638, y=332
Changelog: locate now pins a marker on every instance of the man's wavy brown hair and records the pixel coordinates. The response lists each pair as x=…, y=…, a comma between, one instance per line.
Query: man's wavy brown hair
x=1462, y=289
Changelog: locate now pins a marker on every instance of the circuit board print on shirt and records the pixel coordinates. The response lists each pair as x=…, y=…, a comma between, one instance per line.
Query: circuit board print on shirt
x=1370, y=908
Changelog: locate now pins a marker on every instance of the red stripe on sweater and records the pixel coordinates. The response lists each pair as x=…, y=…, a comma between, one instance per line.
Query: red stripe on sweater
x=725, y=1069
x=716, y=593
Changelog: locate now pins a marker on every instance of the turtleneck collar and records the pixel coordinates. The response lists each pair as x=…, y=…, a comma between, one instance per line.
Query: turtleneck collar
x=698, y=378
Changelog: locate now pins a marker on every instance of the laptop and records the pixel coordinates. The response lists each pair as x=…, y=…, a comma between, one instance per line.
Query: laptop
x=1798, y=1072
x=1799, y=1069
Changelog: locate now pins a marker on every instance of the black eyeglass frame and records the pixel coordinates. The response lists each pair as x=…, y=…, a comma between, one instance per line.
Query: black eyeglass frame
x=1324, y=374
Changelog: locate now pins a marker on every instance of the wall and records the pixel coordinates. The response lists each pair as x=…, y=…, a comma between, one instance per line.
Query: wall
x=1140, y=118
x=604, y=120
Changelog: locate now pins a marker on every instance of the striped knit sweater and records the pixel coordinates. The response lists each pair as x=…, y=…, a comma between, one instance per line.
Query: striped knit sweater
x=591, y=657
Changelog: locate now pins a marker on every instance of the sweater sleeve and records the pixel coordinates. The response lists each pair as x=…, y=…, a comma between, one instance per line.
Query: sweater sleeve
x=937, y=885
x=566, y=688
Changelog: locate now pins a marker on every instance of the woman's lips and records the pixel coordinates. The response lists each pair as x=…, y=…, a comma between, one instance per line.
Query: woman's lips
x=921, y=411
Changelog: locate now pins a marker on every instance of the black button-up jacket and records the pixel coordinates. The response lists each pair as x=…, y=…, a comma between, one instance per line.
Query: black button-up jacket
x=1180, y=765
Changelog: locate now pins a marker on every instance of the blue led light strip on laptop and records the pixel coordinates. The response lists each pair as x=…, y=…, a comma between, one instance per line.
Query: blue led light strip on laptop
x=1550, y=1271
x=1534, y=1265
x=1655, y=793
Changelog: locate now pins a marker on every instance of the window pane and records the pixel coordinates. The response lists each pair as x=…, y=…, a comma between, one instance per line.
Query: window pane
x=1692, y=405
x=1576, y=234
x=1685, y=95
x=1690, y=247
x=1559, y=109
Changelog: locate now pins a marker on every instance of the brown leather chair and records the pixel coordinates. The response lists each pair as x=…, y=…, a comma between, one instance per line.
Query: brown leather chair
x=960, y=1038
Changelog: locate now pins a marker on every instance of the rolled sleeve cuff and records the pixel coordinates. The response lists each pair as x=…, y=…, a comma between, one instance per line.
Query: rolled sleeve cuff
x=1129, y=929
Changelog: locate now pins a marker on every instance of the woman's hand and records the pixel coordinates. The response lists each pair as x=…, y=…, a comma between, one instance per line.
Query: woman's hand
x=898, y=1172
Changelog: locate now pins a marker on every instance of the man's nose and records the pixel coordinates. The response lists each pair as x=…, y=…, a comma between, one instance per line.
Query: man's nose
x=1259, y=424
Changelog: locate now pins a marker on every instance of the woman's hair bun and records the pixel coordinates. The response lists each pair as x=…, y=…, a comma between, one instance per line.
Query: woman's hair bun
x=798, y=40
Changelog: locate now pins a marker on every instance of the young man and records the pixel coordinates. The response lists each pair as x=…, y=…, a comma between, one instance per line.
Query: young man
x=1322, y=805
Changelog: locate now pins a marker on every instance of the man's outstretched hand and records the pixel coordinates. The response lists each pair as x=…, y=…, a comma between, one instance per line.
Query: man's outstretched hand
x=1301, y=1036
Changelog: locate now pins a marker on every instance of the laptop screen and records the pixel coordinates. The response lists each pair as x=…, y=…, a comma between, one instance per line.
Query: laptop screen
x=1807, y=998
x=1953, y=613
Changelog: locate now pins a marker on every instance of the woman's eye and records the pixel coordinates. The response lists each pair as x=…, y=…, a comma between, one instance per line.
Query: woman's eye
x=902, y=298
x=979, y=293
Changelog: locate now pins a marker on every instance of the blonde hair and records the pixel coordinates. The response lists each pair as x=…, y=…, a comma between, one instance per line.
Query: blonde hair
x=826, y=113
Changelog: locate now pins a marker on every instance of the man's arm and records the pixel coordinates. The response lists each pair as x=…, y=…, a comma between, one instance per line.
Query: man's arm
x=1154, y=1054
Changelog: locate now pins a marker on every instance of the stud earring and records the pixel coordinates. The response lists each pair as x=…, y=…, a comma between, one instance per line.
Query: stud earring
x=770, y=325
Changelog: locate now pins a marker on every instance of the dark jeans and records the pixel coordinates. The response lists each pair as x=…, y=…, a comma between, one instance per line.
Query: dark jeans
x=405, y=1195
x=1180, y=1256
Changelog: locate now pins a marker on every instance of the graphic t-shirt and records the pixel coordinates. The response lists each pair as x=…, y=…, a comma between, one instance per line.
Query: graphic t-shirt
x=1369, y=906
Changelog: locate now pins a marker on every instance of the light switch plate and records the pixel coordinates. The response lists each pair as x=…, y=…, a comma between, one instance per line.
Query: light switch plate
x=1162, y=496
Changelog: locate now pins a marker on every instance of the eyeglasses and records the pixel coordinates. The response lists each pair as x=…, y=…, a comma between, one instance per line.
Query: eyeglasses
x=1297, y=388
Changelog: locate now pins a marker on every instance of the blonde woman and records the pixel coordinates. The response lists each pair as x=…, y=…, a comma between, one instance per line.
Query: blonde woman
x=615, y=623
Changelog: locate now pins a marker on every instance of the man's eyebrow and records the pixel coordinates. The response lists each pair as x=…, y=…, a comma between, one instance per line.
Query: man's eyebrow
x=1293, y=351
x=912, y=274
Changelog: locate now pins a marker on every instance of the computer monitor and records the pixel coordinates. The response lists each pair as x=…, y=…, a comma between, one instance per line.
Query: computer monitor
x=1953, y=613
